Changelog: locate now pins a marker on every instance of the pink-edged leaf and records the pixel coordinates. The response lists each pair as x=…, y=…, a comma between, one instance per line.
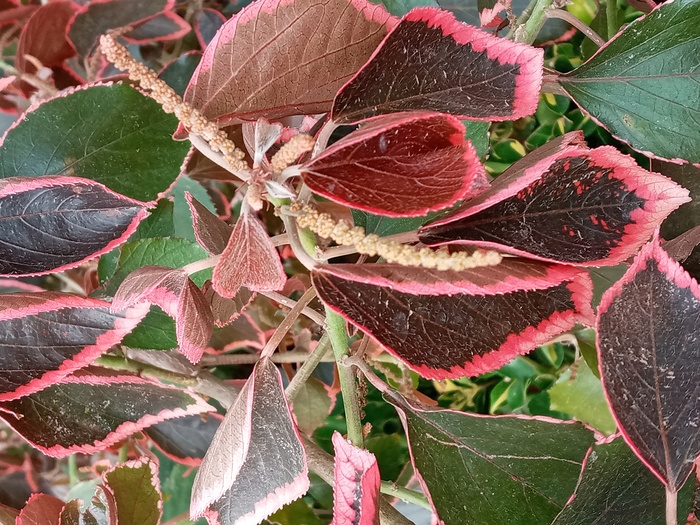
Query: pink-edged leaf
x=185, y=439
x=46, y=336
x=225, y=310
x=257, y=463
x=356, y=486
x=88, y=413
x=402, y=165
x=15, y=285
x=432, y=62
x=211, y=233
x=135, y=487
x=240, y=332
x=647, y=330
x=454, y=324
x=161, y=27
x=249, y=259
x=99, y=16
x=55, y=223
x=178, y=296
x=579, y=206
x=208, y=22
x=43, y=37
x=41, y=509
x=255, y=66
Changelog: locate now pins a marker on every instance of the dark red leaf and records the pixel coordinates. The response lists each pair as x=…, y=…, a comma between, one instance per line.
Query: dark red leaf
x=46, y=336
x=452, y=324
x=185, y=439
x=249, y=259
x=241, y=331
x=88, y=413
x=208, y=22
x=430, y=61
x=402, y=166
x=44, y=37
x=578, y=206
x=161, y=27
x=41, y=509
x=211, y=233
x=257, y=435
x=356, y=487
x=179, y=297
x=99, y=16
x=54, y=223
x=256, y=67
x=225, y=310
x=17, y=15
x=648, y=353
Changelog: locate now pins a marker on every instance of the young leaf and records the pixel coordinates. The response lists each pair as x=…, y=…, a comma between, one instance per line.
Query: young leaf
x=401, y=166
x=643, y=84
x=356, y=486
x=225, y=310
x=135, y=488
x=614, y=486
x=255, y=66
x=257, y=463
x=452, y=324
x=432, y=62
x=55, y=223
x=41, y=509
x=111, y=134
x=87, y=413
x=647, y=325
x=179, y=297
x=46, y=336
x=578, y=206
x=211, y=233
x=249, y=260
x=185, y=439
x=496, y=482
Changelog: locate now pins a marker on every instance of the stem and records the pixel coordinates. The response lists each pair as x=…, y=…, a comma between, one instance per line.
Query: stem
x=528, y=32
x=312, y=314
x=554, y=88
x=577, y=23
x=335, y=326
x=671, y=507
x=522, y=18
x=124, y=454
x=120, y=363
x=201, y=264
x=323, y=137
x=404, y=494
x=611, y=16
x=216, y=158
x=73, y=474
x=303, y=374
x=287, y=323
x=295, y=356
x=290, y=224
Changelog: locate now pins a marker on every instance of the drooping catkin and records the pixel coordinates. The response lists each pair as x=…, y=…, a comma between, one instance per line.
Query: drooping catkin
x=341, y=232
x=291, y=151
x=172, y=102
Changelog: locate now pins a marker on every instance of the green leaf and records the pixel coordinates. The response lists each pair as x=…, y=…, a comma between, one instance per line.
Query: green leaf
x=177, y=74
x=111, y=134
x=155, y=332
x=478, y=134
x=296, y=512
x=643, y=86
x=312, y=405
x=481, y=469
x=182, y=216
x=617, y=489
x=384, y=226
x=173, y=253
x=136, y=492
x=579, y=393
x=176, y=483
x=401, y=7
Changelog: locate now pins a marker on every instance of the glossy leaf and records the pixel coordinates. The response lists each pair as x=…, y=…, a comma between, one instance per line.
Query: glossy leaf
x=41, y=509
x=178, y=296
x=87, y=414
x=52, y=224
x=643, y=84
x=111, y=134
x=431, y=62
x=135, y=488
x=185, y=439
x=614, y=486
x=257, y=433
x=211, y=233
x=255, y=66
x=579, y=206
x=452, y=324
x=498, y=481
x=401, y=166
x=356, y=486
x=249, y=260
x=647, y=326
x=46, y=336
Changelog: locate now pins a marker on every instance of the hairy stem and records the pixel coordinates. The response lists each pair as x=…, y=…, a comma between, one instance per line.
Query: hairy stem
x=562, y=14
x=671, y=507
x=528, y=32
x=304, y=373
x=409, y=496
x=348, y=384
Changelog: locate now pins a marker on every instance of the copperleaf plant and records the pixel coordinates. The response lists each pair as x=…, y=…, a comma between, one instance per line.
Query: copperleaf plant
x=288, y=180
